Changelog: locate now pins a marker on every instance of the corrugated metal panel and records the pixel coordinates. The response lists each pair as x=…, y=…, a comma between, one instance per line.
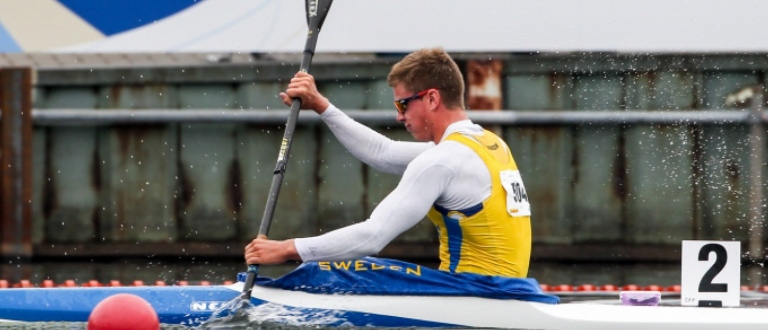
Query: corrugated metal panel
x=257, y=149
x=575, y=199
x=260, y=95
x=544, y=153
x=138, y=167
x=378, y=95
x=599, y=184
x=207, y=161
x=341, y=185
x=71, y=192
x=660, y=160
x=725, y=185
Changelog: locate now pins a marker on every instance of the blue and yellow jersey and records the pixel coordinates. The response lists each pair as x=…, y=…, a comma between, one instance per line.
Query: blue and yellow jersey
x=493, y=237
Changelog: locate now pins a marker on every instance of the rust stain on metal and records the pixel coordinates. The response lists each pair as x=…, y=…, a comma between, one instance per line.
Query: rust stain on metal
x=97, y=184
x=732, y=170
x=620, y=169
x=96, y=223
x=96, y=171
x=123, y=142
x=129, y=141
x=114, y=95
x=554, y=85
x=731, y=216
x=120, y=221
x=484, y=84
x=558, y=84
x=575, y=160
x=548, y=134
x=235, y=187
x=697, y=177
x=651, y=83
x=187, y=189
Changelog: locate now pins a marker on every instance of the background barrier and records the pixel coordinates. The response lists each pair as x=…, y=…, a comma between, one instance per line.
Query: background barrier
x=623, y=156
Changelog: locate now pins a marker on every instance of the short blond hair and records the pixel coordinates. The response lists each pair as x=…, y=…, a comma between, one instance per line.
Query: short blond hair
x=430, y=68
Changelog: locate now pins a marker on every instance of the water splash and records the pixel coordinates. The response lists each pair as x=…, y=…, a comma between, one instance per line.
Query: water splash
x=234, y=312
x=241, y=314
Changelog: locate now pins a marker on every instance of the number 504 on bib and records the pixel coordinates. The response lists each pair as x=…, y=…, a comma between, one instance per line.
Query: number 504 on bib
x=711, y=274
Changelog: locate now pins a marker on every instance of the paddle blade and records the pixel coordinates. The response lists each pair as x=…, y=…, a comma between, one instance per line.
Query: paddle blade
x=316, y=12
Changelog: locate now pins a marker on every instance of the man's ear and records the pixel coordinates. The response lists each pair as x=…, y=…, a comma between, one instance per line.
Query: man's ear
x=434, y=99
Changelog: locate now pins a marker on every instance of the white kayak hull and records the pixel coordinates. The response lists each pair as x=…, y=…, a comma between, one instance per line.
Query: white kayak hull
x=193, y=305
x=514, y=314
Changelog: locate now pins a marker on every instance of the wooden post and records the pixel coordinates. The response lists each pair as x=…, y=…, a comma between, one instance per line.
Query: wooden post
x=16, y=162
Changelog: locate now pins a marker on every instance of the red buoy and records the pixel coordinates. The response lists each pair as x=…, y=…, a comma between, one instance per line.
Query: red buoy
x=123, y=312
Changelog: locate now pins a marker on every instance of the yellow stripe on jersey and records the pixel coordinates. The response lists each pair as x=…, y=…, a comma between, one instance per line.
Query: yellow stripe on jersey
x=487, y=238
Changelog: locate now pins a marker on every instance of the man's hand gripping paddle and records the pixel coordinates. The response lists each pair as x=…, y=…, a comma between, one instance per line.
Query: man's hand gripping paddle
x=316, y=12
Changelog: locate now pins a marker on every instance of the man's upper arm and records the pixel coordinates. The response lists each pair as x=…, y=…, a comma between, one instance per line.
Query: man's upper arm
x=371, y=147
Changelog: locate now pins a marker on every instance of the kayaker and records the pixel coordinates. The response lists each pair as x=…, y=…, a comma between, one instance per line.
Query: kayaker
x=461, y=176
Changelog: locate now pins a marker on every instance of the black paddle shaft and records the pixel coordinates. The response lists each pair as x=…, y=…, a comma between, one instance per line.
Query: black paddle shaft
x=316, y=12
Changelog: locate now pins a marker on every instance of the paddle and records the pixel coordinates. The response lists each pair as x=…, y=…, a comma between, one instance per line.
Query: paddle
x=316, y=11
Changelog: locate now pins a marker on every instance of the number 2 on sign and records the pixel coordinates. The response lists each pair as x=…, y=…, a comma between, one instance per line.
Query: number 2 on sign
x=710, y=273
x=721, y=259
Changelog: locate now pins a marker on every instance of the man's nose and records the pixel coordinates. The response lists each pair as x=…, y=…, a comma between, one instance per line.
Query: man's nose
x=400, y=117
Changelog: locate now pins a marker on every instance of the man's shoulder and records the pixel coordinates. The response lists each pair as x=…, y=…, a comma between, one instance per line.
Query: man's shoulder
x=445, y=153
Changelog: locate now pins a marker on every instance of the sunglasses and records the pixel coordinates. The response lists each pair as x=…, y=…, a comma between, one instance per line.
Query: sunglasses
x=402, y=104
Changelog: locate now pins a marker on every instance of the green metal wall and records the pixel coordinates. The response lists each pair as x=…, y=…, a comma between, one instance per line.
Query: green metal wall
x=634, y=184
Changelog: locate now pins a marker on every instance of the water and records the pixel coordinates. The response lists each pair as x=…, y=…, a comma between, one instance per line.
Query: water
x=71, y=326
x=238, y=314
x=241, y=315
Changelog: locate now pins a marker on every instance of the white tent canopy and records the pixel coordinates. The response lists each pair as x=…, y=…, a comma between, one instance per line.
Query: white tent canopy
x=366, y=26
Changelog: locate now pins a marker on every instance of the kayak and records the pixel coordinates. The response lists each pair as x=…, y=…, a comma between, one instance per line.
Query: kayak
x=315, y=305
x=193, y=305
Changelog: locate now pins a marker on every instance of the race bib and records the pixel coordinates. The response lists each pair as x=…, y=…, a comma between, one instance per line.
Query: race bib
x=517, y=198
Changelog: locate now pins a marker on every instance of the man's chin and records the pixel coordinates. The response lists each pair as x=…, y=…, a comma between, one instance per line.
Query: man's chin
x=420, y=138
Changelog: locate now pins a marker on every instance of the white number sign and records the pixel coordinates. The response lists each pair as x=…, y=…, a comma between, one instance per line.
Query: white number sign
x=517, y=198
x=711, y=273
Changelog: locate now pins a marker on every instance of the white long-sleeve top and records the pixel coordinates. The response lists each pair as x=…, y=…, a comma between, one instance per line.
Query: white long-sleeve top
x=448, y=174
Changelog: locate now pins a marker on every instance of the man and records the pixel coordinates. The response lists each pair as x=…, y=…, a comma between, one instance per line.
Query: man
x=463, y=177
